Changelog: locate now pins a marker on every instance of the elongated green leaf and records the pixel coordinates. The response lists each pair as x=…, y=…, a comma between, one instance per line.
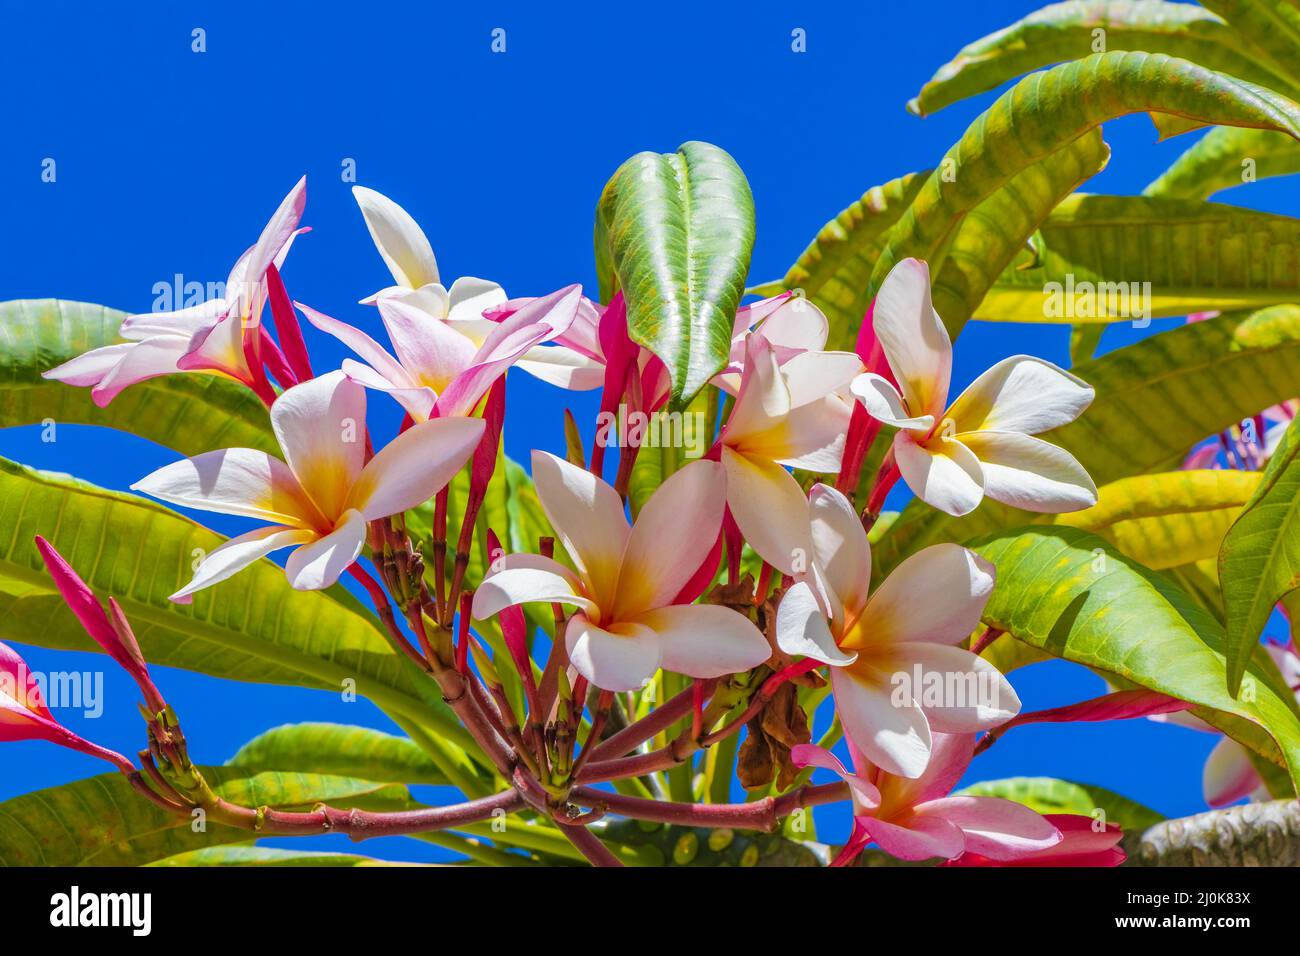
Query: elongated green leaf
x=270, y=856
x=1049, y=795
x=1260, y=560
x=1224, y=157
x=674, y=446
x=1273, y=26
x=1045, y=111
x=1079, y=28
x=1167, y=519
x=103, y=822
x=677, y=230
x=1136, y=257
x=995, y=231
x=835, y=270
x=1074, y=596
x=252, y=627
x=190, y=413
x=340, y=750
x=1155, y=400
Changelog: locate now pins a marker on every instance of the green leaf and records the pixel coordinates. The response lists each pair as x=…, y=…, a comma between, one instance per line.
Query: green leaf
x=835, y=269
x=189, y=413
x=1260, y=560
x=677, y=230
x=269, y=856
x=991, y=235
x=1136, y=257
x=103, y=822
x=656, y=463
x=252, y=627
x=1044, y=112
x=1273, y=26
x=1170, y=518
x=1222, y=159
x=1074, y=596
x=339, y=750
x=1072, y=30
x=1049, y=795
x=1155, y=400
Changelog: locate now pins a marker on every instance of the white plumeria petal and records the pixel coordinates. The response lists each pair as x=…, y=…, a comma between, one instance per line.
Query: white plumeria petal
x=89, y=368
x=972, y=695
x=865, y=795
x=943, y=473
x=770, y=510
x=471, y=297
x=913, y=337
x=160, y=355
x=587, y=514
x=811, y=376
x=840, y=546
x=706, y=640
x=319, y=563
x=1021, y=394
x=234, y=481
x=238, y=553
x=617, y=660
x=883, y=403
x=1027, y=472
x=813, y=436
x=402, y=244
x=936, y=595
x=321, y=426
x=893, y=734
x=563, y=368
x=278, y=232
x=415, y=466
x=525, y=585
x=673, y=534
x=801, y=628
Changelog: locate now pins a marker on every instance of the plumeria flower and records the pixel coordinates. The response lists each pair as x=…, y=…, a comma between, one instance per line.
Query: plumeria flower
x=208, y=337
x=438, y=371
x=951, y=456
x=409, y=256
x=1082, y=844
x=791, y=324
x=918, y=819
x=321, y=495
x=789, y=414
x=627, y=579
x=895, y=672
x=24, y=716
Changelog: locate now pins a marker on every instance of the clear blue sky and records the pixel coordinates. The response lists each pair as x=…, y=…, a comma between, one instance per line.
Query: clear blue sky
x=169, y=161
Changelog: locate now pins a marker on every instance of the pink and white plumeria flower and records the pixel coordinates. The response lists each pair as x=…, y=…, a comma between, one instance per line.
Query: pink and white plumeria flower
x=628, y=579
x=895, y=672
x=792, y=414
x=208, y=337
x=321, y=495
x=439, y=371
x=409, y=256
x=24, y=716
x=951, y=456
x=917, y=819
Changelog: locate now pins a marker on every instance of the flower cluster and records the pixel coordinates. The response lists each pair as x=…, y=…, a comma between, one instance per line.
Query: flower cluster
x=631, y=598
